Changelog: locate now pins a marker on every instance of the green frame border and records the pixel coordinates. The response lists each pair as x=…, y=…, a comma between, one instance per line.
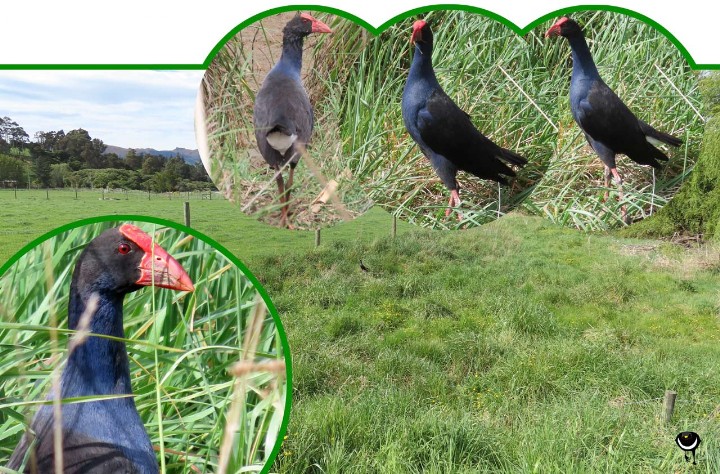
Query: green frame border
x=227, y=254
x=376, y=31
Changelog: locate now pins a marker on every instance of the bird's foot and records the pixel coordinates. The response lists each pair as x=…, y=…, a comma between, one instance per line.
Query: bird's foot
x=284, y=221
x=454, y=202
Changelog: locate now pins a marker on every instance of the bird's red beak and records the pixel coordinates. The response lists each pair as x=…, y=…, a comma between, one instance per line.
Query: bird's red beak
x=417, y=31
x=157, y=267
x=317, y=25
x=555, y=30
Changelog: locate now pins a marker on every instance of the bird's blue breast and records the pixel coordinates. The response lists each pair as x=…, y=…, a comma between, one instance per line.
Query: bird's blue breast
x=415, y=115
x=579, y=104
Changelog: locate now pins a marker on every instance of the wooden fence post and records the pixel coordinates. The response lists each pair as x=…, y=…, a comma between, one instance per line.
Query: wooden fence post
x=669, y=405
x=394, y=226
x=187, y=213
x=317, y=237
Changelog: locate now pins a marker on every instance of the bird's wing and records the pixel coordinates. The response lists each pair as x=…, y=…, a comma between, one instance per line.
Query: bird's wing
x=282, y=117
x=81, y=454
x=603, y=116
x=448, y=131
x=446, y=128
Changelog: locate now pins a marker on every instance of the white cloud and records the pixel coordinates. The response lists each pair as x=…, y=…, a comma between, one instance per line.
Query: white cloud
x=125, y=108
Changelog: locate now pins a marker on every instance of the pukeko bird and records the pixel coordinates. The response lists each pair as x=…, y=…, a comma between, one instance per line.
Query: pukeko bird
x=104, y=436
x=443, y=131
x=283, y=116
x=608, y=124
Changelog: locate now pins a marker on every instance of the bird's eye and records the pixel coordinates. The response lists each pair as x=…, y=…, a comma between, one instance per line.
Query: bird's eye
x=124, y=248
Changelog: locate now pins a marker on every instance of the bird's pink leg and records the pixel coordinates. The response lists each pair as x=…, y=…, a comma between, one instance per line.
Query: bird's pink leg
x=454, y=201
x=621, y=197
x=607, y=183
x=288, y=187
x=281, y=193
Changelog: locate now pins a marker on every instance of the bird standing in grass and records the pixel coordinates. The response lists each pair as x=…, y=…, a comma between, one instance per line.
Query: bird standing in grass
x=608, y=124
x=102, y=436
x=283, y=116
x=443, y=131
x=688, y=441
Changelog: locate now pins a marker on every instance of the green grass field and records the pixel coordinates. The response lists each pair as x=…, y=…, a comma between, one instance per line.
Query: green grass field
x=31, y=215
x=515, y=347
x=519, y=346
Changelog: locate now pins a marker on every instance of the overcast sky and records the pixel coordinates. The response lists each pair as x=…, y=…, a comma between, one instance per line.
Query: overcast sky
x=131, y=109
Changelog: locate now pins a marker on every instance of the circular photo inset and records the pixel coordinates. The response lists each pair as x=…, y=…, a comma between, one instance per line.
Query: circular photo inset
x=630, y=127
x=137, y=346
x=270, y=120
x=454, y=122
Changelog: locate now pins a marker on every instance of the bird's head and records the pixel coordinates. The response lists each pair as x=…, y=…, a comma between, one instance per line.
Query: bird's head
x=421, y=33
x=304, y=24
x=124, y=259
x=566, y=27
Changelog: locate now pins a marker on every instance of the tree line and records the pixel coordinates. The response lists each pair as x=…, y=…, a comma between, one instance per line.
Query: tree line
x=75, y=159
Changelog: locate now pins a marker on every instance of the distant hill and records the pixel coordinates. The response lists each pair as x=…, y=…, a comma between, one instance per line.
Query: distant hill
x=190, y=156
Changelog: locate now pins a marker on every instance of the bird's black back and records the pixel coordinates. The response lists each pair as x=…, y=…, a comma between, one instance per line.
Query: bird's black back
x=448, y=130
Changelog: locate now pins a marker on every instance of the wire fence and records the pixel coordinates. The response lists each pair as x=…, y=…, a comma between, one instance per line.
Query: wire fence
x=109, y=194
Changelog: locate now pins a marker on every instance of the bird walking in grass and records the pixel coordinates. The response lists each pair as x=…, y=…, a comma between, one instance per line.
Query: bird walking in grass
x=282, y=115
x=688, y=441
x=102, y=436
x=443, y=131
x=608, y=124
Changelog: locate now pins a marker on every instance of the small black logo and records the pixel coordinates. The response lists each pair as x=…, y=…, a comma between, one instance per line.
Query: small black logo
x=688, y=441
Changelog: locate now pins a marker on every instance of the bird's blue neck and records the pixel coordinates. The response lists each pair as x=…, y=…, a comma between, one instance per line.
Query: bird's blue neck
x=99, y=365
x=421, y=67
x=291, y=58
x=583, y=64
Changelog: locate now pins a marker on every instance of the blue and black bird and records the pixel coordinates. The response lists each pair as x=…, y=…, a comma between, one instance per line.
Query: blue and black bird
x=443, y=131
x=103, y=436
x=609, y=125
x=282, y=115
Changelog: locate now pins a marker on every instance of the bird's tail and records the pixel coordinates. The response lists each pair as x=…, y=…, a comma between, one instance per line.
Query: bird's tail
x=496, y=168
x=647, y=154
x=655, y=136
x=513, y=158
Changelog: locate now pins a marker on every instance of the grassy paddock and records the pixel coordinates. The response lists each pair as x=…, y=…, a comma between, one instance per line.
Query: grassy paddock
x=31, y=215
x=518, y=346
x=180, y=350
x=237, y=167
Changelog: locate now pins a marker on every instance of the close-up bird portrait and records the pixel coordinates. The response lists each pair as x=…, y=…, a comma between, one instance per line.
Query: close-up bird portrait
x=119, y=343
